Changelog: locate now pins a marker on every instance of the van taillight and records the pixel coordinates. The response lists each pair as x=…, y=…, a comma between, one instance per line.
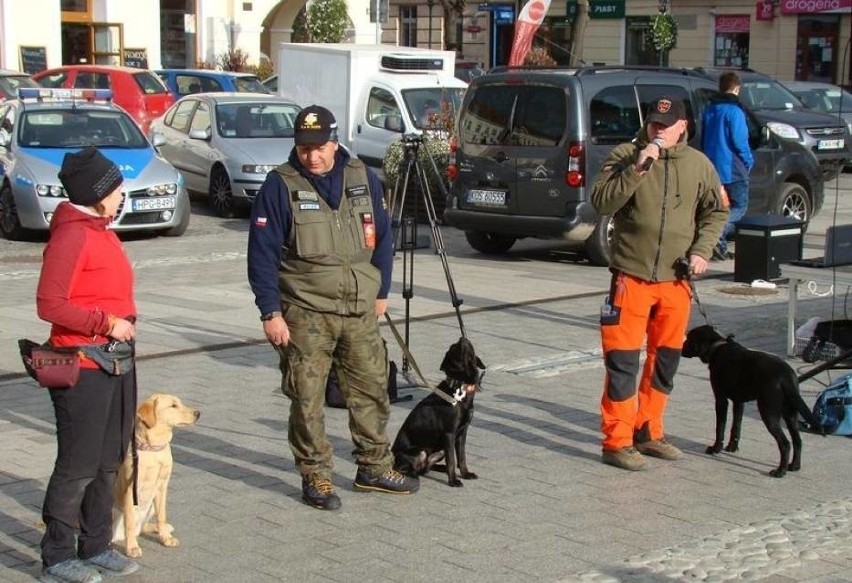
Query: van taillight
x=452, y=169
x=576, y=162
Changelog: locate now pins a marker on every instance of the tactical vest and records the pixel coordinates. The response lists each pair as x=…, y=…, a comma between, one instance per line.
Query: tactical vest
x=325, y=263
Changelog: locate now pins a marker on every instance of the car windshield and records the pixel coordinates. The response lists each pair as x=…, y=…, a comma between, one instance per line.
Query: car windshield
x=831, y=100
x=433, y=108
x=256, y=120
x=249, y=85
x=768, y=95
x=9, y=85
x=77, y=128
x=149, y=83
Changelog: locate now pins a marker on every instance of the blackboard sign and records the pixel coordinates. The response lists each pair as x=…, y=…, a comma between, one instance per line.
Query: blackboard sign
x=136, y=58
x=33, y=59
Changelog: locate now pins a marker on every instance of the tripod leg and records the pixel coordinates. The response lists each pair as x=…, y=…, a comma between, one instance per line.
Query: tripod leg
x=399, y=201
x=438, y=240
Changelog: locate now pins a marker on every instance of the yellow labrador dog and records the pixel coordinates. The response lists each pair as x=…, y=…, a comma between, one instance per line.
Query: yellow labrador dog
x=156, y=417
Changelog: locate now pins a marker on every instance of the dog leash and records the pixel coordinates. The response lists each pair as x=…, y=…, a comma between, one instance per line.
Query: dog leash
x=414, y=366
x=701, y=309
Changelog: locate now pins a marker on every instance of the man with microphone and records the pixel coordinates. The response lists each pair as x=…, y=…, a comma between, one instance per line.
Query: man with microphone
x=668, y=210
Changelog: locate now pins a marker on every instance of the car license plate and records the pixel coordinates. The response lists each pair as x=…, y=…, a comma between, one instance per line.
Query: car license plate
x=830, y=144
x=486, y=197
x=154, y=203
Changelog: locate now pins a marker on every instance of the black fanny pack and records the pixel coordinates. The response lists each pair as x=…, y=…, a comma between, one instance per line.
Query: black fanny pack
x=115, y=358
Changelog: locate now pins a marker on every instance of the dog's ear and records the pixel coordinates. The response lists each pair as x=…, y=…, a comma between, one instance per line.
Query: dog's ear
x=148, y=413
x=729, y=338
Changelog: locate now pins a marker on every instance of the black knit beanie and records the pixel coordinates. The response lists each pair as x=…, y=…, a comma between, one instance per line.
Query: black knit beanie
x=88, y=176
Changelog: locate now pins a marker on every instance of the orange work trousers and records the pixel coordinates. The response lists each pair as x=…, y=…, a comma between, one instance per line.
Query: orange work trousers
x=638, y=309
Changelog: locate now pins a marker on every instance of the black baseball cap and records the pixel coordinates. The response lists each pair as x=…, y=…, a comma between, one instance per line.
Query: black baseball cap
x=666, y=111
x=314, y=126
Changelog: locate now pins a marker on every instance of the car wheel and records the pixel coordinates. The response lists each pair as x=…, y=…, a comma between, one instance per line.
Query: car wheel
x=180, y=228
x=597, y=245
x=220, y=195
x=793, y=201
x=490, y=243
x=10, y=223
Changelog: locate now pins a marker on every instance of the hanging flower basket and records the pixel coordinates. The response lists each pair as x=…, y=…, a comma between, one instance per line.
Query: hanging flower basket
x=663, y=35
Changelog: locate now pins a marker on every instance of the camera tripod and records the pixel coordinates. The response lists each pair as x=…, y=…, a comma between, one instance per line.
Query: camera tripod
x=406, y=227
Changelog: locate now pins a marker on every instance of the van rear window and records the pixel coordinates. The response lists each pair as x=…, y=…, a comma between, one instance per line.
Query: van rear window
x=510, y=115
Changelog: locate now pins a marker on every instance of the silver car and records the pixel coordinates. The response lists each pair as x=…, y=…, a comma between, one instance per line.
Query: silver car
x=825, y=97
x=42, y=125
x=226, y=143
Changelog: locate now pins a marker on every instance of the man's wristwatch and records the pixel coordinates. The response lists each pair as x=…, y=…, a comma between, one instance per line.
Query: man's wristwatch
x=269, y=316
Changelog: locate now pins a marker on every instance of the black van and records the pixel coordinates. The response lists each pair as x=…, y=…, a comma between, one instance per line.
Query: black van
x=530, y=141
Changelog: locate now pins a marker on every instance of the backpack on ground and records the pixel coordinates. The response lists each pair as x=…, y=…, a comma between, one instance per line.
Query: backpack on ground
x=833, y=407
x=334, y=396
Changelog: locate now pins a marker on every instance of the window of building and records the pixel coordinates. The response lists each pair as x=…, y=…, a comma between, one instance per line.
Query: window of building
x=730, y=47
x=408, y=26
x=638, y=50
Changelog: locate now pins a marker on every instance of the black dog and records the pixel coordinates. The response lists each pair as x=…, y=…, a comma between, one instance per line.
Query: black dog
x=742, y=375
x=435, y=429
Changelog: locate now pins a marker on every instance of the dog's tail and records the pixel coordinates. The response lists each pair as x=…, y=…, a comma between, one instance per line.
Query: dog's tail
x=805, y=411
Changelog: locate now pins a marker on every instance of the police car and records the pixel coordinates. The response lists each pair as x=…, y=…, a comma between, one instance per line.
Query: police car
x=42, y=125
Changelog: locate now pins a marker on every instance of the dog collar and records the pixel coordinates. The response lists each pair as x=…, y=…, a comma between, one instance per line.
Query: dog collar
x=142, y=446
x=716, y=346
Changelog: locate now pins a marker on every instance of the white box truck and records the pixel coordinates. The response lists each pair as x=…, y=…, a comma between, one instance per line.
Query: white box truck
x=376, y=92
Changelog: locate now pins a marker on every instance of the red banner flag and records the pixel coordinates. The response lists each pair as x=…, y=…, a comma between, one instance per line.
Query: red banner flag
x=532, y=14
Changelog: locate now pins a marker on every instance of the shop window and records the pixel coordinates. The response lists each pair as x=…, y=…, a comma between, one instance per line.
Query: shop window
x=731, y=40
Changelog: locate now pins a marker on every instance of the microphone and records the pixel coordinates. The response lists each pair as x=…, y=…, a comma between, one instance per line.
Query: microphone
x=646, y=165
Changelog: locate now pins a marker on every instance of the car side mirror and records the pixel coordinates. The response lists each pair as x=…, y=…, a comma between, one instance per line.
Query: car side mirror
x=765, y=135
x=200, y=134
x=157, y=139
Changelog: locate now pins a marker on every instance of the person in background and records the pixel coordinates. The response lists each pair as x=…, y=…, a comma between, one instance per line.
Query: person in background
x=666, y=204
x=85, y=291
x=725, y=141
x=320, y=256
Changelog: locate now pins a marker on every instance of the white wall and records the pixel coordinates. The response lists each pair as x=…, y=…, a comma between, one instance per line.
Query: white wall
x=29, y=23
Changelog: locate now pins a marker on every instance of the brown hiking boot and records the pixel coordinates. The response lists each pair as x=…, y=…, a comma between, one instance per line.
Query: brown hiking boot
x=318, y=492
x=659, y=448
x=626, y=458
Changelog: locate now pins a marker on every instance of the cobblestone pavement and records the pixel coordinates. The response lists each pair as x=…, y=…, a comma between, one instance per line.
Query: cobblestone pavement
x=543, y=509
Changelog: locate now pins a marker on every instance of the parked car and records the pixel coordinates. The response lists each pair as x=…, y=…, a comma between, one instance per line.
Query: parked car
x=774, y=105
x=182, y=82
x=467, y=70
x=530, y=141
x=10, y=81
x=825, y=97
x=42, y=125
x=226, y=143
x=271, y=84
x=138, y=91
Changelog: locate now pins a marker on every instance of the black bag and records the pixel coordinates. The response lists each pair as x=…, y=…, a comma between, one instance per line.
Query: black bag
x=334, y=396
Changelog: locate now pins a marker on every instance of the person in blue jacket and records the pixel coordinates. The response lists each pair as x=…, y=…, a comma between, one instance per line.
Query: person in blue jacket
x=320, y=256
x=725, y=141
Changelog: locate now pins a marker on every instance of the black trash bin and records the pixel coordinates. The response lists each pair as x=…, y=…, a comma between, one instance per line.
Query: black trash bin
x=763, y=243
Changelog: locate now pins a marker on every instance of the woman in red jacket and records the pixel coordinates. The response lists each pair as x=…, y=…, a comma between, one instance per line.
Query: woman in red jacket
x=85, y=291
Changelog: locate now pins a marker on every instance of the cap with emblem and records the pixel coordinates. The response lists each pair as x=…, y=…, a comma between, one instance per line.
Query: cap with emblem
x=314, y=126
x=666, y=111
x=88, y=176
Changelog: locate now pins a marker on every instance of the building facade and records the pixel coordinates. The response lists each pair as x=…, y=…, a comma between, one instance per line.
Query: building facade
x=787, y=39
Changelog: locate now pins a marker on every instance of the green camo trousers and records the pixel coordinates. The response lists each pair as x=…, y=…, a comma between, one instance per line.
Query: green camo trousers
x=361, y=361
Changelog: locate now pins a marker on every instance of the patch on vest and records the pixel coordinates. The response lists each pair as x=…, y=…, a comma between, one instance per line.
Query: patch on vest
x=353, y=191
x=309, y=206
x=305, y=195
x=360, y=201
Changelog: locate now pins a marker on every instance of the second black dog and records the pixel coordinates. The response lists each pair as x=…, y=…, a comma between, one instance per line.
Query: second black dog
x=435, y=429
x=741, y=375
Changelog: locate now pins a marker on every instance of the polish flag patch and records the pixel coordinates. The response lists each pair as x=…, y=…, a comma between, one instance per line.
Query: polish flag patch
x=260, y=222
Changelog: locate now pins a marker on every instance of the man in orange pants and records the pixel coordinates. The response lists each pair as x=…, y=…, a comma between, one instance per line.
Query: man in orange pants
x=668, y=209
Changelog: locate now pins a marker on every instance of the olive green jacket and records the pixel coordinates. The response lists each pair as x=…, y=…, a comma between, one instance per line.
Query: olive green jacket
x=675, y=210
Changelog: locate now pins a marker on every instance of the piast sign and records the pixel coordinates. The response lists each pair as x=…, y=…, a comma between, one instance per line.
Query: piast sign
x=599, y=9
